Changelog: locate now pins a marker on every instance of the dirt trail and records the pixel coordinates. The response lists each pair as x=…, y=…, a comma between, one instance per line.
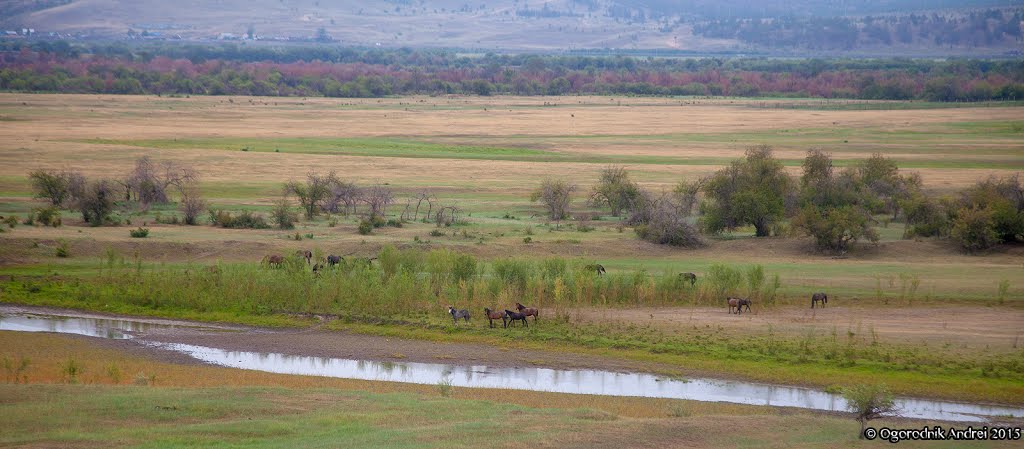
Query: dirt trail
x=963, y=327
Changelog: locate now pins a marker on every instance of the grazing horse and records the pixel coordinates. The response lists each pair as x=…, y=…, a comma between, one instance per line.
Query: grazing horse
x=595, y=267
x=528, y=311
x=743, y=302
x=305, y=254
x=516, y=316
x=733, y=303
x=692, y=278
x=820, y=296
x=273, y=260
x=495, y=315
x=333, y=260
x=456, y=314
x=317, y=268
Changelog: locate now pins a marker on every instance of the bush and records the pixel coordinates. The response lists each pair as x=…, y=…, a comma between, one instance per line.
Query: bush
x=139, y=233
x=283, y=215
x=244, y=220
x=365, y=227
x=436, y=233
x=394, y=223
x=835, y=228
x=974, y=230
x=11, y=221
x=63, y=249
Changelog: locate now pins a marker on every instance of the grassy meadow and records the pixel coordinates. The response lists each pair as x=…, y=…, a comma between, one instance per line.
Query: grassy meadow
x=120, y=400
x=918, y=315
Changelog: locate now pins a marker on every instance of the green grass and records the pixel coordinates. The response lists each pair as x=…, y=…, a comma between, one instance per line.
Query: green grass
x=411, y=304
x=146, y=417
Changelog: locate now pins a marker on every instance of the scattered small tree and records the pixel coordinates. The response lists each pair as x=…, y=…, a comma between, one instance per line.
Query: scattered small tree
x=556, y=195
x=192, y=205
x=150, y=181
x=377, y=198
x=615, y=190
x=344, y=197
x=869, y=402
x=313, y=193
x=96, y=201
x=51, y=185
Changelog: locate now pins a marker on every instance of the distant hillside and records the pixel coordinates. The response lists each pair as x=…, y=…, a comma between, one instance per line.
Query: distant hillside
x=750, y=26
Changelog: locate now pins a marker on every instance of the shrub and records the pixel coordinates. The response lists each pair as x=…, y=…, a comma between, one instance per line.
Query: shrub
x=394, y=223
x=63, y=249
x=244, y=220
x=365, y=227
x=835, y=228
x=11, y=221
x=283, y=215
x=436, y=233
x=139, y=233
x=973, y=229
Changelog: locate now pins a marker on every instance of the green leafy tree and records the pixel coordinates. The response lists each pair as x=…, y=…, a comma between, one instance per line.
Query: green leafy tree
x=836, y=228
x=313, y=193
x=51, y=185
x=868, y=402
x=751, y=191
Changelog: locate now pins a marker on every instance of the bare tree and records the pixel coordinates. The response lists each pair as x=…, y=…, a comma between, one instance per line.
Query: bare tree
x=344, y=197
x=556, y=195
x=421, y=197
x=192, y=204
x=377, y=197
x=149, y=181
x=665, y=219
x=447, y=215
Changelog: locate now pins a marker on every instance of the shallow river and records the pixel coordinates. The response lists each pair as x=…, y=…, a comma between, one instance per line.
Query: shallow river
x=539, y=379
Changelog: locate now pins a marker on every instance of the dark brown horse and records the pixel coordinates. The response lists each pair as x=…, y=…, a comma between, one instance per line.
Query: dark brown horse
x=305, y=254
x=528, y=311
x=456, y=314
x=273, y=260
x=516, y=316
x=595, y=267
x=743, y=302
x=819, y=297
x=734, y=303
x=688, y=277
x=495, y=315
x=333, y=260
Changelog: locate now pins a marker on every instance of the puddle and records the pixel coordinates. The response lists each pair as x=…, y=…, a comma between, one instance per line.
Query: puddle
x=537, y=379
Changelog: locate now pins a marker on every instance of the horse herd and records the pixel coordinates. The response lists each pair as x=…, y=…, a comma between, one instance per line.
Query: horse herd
x=507, y=317
x=277, y=260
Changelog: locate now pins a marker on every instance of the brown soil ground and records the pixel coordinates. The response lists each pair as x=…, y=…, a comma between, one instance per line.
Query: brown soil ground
x=951, y=327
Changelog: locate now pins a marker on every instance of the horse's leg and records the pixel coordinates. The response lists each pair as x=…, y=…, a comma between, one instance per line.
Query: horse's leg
x=526, y=323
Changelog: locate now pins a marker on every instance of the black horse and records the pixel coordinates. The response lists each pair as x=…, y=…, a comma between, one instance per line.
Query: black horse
x=333, y=260
x=688, y=277
x=456, y=314
x=516, y=316
x=744, y=302
x=820, y=296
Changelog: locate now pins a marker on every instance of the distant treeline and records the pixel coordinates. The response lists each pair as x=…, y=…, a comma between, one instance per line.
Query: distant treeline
x=163, y=68
x=974, y=29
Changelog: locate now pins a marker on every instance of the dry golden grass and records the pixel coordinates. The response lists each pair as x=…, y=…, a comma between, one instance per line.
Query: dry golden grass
x=43, y=127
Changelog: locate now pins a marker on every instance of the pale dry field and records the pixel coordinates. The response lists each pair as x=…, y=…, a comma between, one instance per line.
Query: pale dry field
x=48, y=131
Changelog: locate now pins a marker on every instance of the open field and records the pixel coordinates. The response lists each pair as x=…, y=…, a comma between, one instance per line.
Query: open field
x=916, y=314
